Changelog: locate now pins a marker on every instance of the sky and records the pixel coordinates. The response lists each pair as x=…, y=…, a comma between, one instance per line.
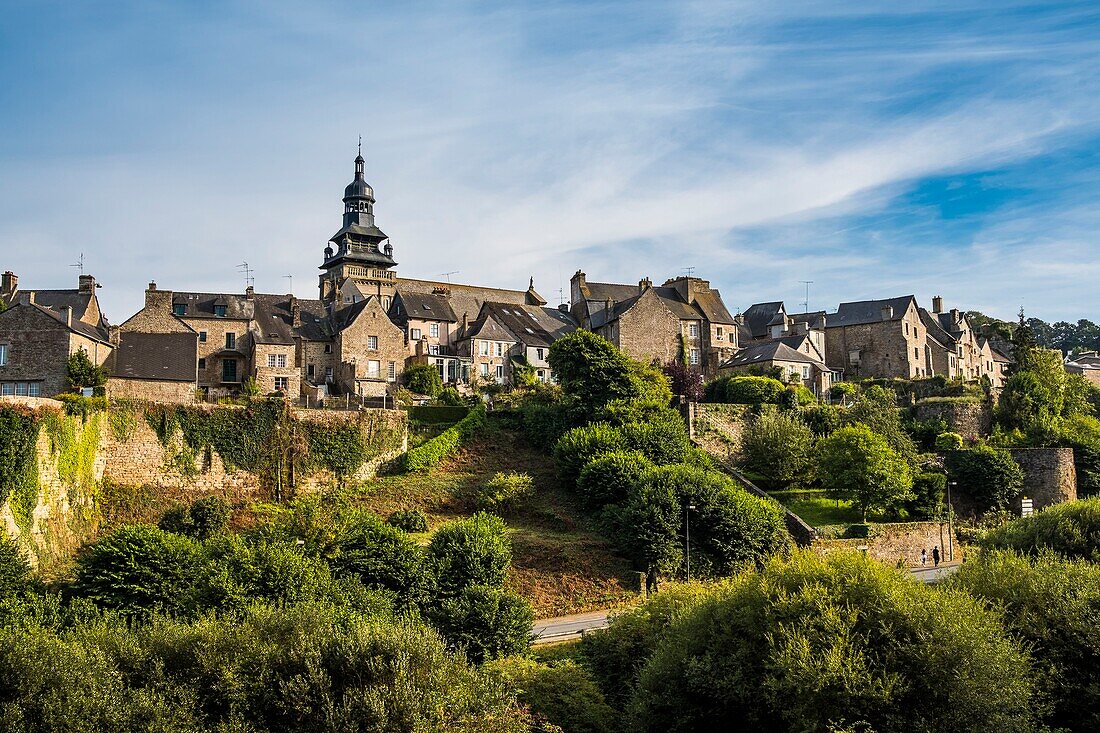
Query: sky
x=875, y=149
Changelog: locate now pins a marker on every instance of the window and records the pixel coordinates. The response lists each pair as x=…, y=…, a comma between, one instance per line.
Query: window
x=219, y=311
x=719, y=334
x=8, y=388
x=540, y=354
x=202, y=337
x=282, y=384
x=310, y=370
x=806, y=371
x=484, y=369
x=415, y=334
x=693, y=356
x=202, y=363
x=230, y=340
x=179, y=309
x=391, y=371
x=328, y=348
x=328, y=374
x=500, y=372
x=483, y=347
x=373, y=368
x=542, y=375
x=693, y=330
x=372, y=343
x=229, y=370
x=906, y=329
x=433, y=330
x=276, y=360
x=500, y=349
x=3, y=354
x=916, y=353
x=433, y=348
x=22, y=389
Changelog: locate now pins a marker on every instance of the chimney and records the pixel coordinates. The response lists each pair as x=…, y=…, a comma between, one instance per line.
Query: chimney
x=86, y=284
x=9, y=282
x=937, y=304
x=67, y=315
x=158, y=299
x=295, y=312
x=28, y=297
x=607, y=304
x=249, y=292
x=887, y=312
x=956, y=316
x=564, y=307
x=644, y=284
x=465, y=322
x=152, y=285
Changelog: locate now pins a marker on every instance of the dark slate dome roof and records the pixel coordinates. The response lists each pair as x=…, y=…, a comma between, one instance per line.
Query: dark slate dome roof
x=359, y=188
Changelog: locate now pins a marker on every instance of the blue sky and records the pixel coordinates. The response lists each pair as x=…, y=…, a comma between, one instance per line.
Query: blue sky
x=878, y=149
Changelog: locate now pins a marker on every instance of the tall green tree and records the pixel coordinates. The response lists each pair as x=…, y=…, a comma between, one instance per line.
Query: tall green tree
x=83, y=372
x=858, y=464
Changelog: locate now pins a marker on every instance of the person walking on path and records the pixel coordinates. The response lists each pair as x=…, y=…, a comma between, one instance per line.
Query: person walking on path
x=923, y=558
x=650, y=581
x=936, y=556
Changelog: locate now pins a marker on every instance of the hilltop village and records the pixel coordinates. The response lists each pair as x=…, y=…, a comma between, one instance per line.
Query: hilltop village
x=368, y=325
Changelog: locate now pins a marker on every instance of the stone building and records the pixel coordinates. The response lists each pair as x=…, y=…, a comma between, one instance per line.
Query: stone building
x=878, y=338
x=159, y=367
x=958, y=350
x=683, y=320
x=765, y=327
x=40, y=329
x=1086, y=364
x=507, y=335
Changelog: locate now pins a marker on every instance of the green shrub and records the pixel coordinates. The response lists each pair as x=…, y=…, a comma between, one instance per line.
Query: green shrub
x=843, y=390
x=138, y=569
x=80, y=406
x=423, y=379
x=450, y=397
x=205, y=518
x=580, y=445
x=408, y=520
x=802, y=395
x=818, y=643
x=382, y=557
x=1051, y=606
x=486, y=622
x=83, y=372
x=1071, y=530
x=591, y=369
x=563, y=694
x=988, y=476
x=545, y=424
x=469, y=552
x=748, y=390
x=504, y=489
x=609, y=478
x=925, y=432
x=928, y=495
x=434, y=414
x=948, y=442
x=15, y=571
x=662, y=441
x=431, y=453
x=777, y=446
x=876, y=407
x=858, y=464
x=822, y=419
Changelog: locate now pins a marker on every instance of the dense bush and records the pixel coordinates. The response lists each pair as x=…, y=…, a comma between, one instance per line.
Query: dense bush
x=1071, y=530
x=591, y=370
x=1051, y=605
x=928, y=495
x=858, y=464
x=876, y=407
x=545, y=424
x=486, y=622
x=382, y=557
x=450, y=397
x=301, y=669
x=777, y=446
x=504, y=489
x=948, y=441
x=684, y=380
x=562, y=694
x=925, y=432
x=747, y=390
x=822, y=419
x=609, y=478
x=663, y=442
x=15, y=572
x=138, y=569
x=469, y=552
x=817, y=643
x=580, y=445
x=408, y=520
x=988, y=476
x=82, y=372
x=205, y=518
x=423, y=379
x=1082, y=434
x=432, y=452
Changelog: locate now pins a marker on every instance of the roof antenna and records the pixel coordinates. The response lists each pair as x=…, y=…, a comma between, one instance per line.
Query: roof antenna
x=79, y=263
x=689, y=271
x=806, y=302
x=448, y=275
x=249, y=281
x=291, y=279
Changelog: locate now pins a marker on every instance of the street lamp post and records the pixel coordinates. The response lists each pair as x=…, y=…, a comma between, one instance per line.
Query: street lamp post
x=687, y=538
x=950, y=523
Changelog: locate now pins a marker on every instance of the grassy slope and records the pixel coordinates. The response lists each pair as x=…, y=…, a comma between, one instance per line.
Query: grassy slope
x=560, y=563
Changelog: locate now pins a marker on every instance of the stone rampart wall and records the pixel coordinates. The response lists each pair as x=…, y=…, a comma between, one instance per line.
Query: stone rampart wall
x=1049, y=475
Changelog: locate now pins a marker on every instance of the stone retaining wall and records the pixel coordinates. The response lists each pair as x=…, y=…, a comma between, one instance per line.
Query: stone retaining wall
x=971, y=420
x=1049, y=475
x=902, y=541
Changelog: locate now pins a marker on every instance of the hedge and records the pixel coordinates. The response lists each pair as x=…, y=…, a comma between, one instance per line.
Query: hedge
x=424, y=457
x=435, y=414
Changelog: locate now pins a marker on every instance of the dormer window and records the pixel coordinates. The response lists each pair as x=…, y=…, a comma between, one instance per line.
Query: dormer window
x=179, y=309
x=219, y=311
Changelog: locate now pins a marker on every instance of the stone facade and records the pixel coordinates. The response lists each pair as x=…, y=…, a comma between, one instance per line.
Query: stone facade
x=1049, y=475
x=890, y=543
x=119, y=388
x=371, y=351
x=878, y=339
x=972, y=420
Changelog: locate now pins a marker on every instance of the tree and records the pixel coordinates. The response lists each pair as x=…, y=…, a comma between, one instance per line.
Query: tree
x=1051, y=605
x=855, y=463
x=876, y=407
x=748, y=390
x=988, y=476
x=580, y=445
x=469, y=552
x=1071, y=530
x=15, y=572
x=205, y=518
x=816, y=643
x=485, y=622
x=384, y=557
x=423, y=379
x=609, y=478
x=560, y=693
x=684, y=380
x=82, y=372
x=777, y=446
x=590, y=369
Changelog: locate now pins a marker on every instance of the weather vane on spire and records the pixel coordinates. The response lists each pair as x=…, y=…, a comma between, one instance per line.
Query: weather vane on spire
x=360, y=144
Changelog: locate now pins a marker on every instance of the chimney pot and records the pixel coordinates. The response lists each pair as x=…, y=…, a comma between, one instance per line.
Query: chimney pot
x=67, y=311
x=249, y=291
x=937, y=304
x=9, y=282
x=86, y=284
x=152, y=285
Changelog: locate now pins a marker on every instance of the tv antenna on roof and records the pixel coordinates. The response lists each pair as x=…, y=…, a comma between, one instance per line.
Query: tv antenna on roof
x=689, y=271
x=249, y=281
x=806, y=302
x=79, y=264
x=448, y=275
x=291, y=279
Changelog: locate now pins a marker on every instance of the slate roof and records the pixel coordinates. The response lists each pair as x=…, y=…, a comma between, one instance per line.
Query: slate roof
x=171, y=357
x=201, y=305
x=868, y=311
x=710, y=303
x=936, y=329
x=614, y=291
x=78, y=326
x=759, y=315
x=532, y=325
x=770, y=351
x=1086, y=360
x=424, y=306
x=467, y=299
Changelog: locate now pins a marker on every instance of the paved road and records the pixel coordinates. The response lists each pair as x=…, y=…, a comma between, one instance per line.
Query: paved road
x=569, y=628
